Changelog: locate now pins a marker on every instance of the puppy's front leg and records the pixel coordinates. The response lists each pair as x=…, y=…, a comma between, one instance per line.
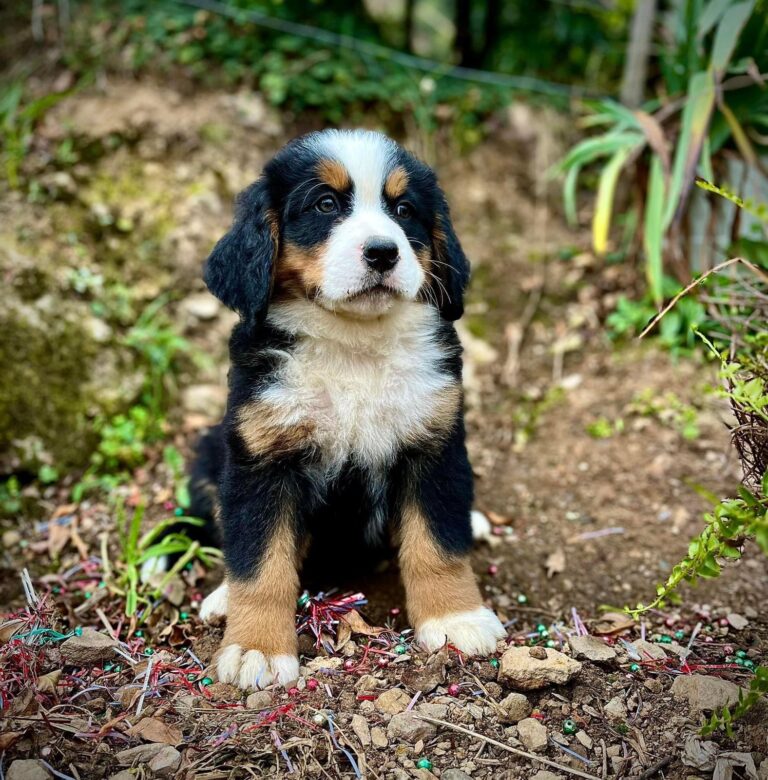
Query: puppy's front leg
x=259, y=645
x=442, y=596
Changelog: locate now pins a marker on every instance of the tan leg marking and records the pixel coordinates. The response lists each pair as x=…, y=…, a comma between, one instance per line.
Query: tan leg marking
x=265, y=434
x=334, y=174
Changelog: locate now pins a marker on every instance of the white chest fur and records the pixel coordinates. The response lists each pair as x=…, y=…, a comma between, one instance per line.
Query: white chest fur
x=364, y=388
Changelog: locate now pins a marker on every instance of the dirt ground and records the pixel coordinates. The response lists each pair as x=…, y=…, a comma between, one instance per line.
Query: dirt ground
x=587, y=524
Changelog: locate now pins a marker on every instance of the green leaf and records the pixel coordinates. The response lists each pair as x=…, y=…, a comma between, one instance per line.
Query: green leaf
x=653, y=231
x=727, y=35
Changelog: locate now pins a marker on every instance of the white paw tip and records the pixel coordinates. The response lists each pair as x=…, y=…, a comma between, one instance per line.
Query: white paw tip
x=228, y=665
x=481, y=526
x=252, y=669
x=255, y=671
x=285, y=668
x=214, y=604
x=153, y=566
x=474, y=632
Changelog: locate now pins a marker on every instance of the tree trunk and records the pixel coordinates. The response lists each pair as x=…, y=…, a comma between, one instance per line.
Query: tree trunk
x=408, y=25
x=463, y=41
x=491, y=31
x=636, y=64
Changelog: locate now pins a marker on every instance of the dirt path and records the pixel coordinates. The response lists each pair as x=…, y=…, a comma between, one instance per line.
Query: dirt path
x=587, y=520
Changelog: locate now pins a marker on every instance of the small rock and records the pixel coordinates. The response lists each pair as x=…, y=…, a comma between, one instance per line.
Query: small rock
x=533, y=734
x=142, y=754
x=406, y=726
x=208, y=400
x=165, y=762
x=27, y=769
x=544, y=774
x=378, y=737
x=362, y=732
x=649, y=650
x=428, y=677
x=585, y=739
x=455, y=774
x=591, y=648
x=737, y=621
x=323, y=662
x=513, y=708
x=259, y=700
x=393, y=701
x=762, y=770
x=703, y=693
x=11, y=538
x=367, y=682
x=201, y=306
x=89, y=648
x=540, y=653
x=613, y=750
x=654, y=685
x=616, y=709
x=698, y=753
x=521, y=670
x=433, y=710
x=123, y=774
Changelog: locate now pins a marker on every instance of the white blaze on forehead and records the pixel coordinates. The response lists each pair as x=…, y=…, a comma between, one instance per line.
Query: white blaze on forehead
x=368, y=157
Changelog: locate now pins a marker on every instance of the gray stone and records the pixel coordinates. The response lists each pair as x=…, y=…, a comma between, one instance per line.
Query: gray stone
x=165, y=762
x=737, y=621
x=533, y=734
x=585, y=739
x=591, y=648
x=544, y=774
x=408, y=727
x=703, y=693
x=362, y=732
x=514, y=707
x=201, y=306
x=91, y=647
x=648, y=650
x=379, y=738
x=27, y=769
x=616, y=709
x=455, y=774
x=142, y=754
x=433, y=710
x=521, y=670
x=367, y=682
x=259, y=700
x=123, y=774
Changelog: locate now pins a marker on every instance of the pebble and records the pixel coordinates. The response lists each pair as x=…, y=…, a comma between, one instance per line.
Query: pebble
x=201, y=306
x=591, y=648
x=367, y=682
x=739, y=622
x=544, y=774
x=11, y=538
x=378, y=737
x=521, y=670
x=585, y=739
x=89, y=648
x=392, y=701
x=455, y=774
x=649, y=650
x=533, y=734
x=27, y=769
x=165, y=762
x=514, y=708
x=703, y=693
x=260, y=700
x=406, y=726
x=433, y=710
x=142, y=754
x=616, y=709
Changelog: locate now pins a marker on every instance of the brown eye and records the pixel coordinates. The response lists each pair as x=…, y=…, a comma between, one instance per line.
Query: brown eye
x=327, y=205
x=404, y=210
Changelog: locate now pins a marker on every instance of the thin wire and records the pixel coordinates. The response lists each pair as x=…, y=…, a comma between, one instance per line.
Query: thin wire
x=522, y=83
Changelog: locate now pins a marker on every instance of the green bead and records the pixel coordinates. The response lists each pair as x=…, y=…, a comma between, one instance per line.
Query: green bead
x=206, y=681
x=191, y=676
x=495, y=663
x=542, y=629
x=679, y=634
x=634, y=667
x=741, y=653
x=139, y=633
x=108, y=667
x=56, y=589
x=304, y=599
x=149, y=651
x=87, y=594
x=78, y=631
x=118, y=668
x=400, y=649
x=178, y=511
x=522, y=598
x=184, y=615
x=569, y=727
x=666, y=640
x=424, y=763
x=551, y=643
x=749, y=664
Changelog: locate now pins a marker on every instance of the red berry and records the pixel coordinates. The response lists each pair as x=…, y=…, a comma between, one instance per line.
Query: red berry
x=293, y=691
x=395, y=611
x=312, y=685
x=349, y=664
x=453, y=689
x=493, y=569
x=382, y=663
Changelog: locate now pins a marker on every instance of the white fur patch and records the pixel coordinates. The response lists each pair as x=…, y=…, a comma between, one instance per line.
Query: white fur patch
x=474, y=633
x=215, y=603
x=365, y=387
x=252, y=669
x=153, y=566
x=482, y=530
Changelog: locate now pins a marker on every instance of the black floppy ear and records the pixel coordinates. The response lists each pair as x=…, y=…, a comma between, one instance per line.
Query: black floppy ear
x=452, y=267
x=240, y=268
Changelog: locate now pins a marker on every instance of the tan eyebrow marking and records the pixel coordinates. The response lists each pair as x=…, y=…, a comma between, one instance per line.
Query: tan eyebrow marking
x=396, y=183
x=334, y=174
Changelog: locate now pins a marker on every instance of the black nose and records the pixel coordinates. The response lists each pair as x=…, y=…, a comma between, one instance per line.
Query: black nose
x=380, y=253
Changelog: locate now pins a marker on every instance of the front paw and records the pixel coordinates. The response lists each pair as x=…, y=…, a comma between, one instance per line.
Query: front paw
x=474, y=632
x=250, y=668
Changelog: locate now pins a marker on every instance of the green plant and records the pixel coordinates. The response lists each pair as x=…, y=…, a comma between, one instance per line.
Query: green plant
x=603, y=428
x=10, y=497
x=713, y=42
x=18, y=117
x=669, y=410
x=122, y=575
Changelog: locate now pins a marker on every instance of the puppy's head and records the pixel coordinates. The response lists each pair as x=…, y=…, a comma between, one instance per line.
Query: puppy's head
x=346, y=219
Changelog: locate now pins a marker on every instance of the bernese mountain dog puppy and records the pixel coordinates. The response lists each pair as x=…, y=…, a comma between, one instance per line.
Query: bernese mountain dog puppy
x=344, y=415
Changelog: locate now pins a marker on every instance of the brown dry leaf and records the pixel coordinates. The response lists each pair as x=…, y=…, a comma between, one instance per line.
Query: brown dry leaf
x=46, y=683
x=612, y=623
x=8, y=629
x=555, y=563
x=343, y=635
x=8, y=738
x=497, y=519
x=156, y=730
x=58, y=537
x=359, y=626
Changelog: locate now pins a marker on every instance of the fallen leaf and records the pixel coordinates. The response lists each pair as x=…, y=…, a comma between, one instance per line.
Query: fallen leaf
x=555, y=562
x=156, y=730
x=358, y=624
x=8, y=738
x=46, y=683
x=343, y=635
x=7, y=630
x=58, y=537
x=497, y=519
